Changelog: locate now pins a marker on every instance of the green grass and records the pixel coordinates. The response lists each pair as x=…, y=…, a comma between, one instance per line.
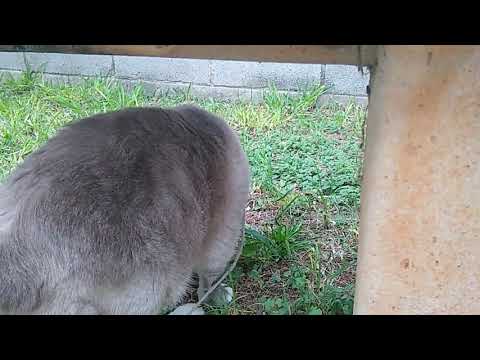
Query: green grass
x=302, y=217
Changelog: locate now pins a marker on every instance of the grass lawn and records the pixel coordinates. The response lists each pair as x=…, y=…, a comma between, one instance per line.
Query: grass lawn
x=302, y=217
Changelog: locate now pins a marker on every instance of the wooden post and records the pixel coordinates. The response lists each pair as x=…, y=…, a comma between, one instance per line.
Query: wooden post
x=419, y=250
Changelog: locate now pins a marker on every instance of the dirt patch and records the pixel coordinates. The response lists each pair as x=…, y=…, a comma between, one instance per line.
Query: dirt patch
x=249, y=290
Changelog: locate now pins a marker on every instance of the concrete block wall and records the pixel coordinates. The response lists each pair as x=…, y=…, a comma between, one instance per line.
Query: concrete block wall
x=232, y=80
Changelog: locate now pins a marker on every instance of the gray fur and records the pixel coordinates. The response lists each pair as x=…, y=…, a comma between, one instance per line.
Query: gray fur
x=115, y=213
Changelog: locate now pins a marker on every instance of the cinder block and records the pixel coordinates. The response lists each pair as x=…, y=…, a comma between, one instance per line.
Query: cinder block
x=260, y=75
x=160, y=69
x=12, y=61
x=258, y=94
x=202, y=91
x=71, y=64
x=342, y=99
x=346, y=80
x=149, y=87
x=9, y=74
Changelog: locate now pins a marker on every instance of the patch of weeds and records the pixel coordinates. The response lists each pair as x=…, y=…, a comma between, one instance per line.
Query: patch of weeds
x=281, y=239
x=276, y=306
